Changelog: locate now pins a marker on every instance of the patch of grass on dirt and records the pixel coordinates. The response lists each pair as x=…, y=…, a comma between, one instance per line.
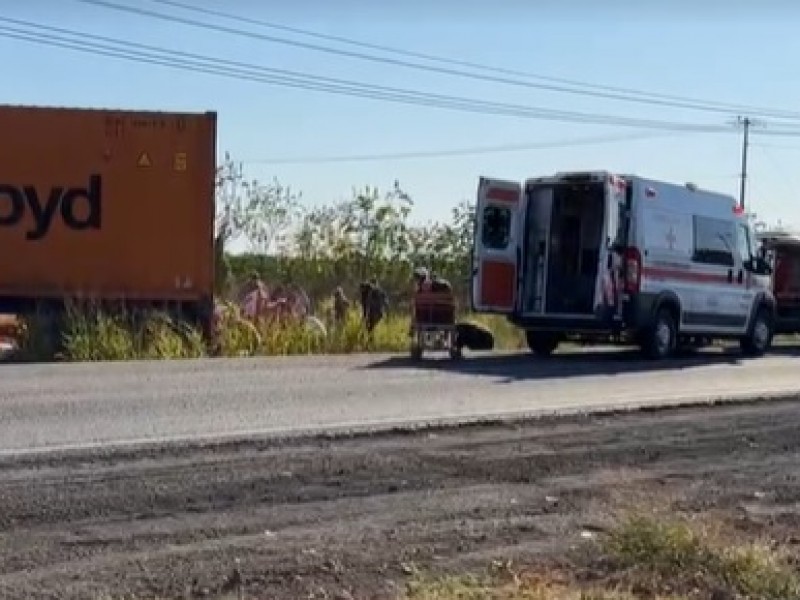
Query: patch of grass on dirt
x=521, y=587
x=641, y=558
x=680, y=555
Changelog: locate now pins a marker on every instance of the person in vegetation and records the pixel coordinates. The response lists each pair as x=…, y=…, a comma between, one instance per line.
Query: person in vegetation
x=253, y=295
x=421, y=279
x=301, y=303
x=300, y=310
x=374, y=303
x=341, y=305
x=425, y=282
x=254, y=283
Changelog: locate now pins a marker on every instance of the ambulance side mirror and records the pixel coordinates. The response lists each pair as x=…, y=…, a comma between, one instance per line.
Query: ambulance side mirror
x=759, y=266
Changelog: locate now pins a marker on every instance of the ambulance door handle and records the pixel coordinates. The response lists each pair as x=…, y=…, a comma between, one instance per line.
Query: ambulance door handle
x=730, y=275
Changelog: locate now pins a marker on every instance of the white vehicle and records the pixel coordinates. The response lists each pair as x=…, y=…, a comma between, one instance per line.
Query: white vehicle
x=592, y=256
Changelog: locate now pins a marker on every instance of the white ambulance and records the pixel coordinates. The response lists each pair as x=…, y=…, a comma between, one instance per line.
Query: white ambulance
x=596, y=257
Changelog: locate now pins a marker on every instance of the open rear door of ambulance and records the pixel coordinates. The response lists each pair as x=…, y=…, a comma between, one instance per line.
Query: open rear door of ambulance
x=496, y=246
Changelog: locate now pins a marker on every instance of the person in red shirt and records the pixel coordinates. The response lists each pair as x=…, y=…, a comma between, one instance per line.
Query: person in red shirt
x=422, y=280
x=425, y=282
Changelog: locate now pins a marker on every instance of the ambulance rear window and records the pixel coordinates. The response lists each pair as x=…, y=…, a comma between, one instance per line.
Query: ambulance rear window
x=496, y=227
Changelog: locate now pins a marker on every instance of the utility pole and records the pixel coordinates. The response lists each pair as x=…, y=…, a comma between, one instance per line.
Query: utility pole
x=745, y=122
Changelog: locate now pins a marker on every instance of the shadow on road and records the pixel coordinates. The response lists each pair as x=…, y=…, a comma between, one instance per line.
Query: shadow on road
x=785, y=351
x=524, y=366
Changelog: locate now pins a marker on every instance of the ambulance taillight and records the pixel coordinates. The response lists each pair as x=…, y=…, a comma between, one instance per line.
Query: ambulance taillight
x=632, y=261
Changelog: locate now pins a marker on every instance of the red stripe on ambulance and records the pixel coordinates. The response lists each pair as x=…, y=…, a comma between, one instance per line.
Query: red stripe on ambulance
x=502, y=195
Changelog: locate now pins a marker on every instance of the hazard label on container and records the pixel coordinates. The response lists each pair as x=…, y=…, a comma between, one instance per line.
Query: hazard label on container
x=179, y=162
x=144, y=160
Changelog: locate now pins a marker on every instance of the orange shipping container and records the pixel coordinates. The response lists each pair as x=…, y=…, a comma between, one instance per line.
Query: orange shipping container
x=106, y=204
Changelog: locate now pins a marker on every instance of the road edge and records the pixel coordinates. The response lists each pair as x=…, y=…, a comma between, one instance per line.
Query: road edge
x=286, y=438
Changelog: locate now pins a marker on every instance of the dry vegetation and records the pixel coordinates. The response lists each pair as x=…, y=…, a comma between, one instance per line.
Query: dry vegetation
x=94, y=335
x=641, y=558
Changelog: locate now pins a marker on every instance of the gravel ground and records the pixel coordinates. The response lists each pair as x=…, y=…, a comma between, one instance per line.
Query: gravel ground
x=342, y=518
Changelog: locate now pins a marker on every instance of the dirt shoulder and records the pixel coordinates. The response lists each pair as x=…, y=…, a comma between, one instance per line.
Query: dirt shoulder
x=353, y=518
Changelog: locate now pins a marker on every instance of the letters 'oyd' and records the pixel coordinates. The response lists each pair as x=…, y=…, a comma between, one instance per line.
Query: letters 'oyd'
x=15, y=201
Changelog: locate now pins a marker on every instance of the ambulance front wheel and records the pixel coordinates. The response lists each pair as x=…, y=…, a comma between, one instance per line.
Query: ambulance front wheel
x=542, y=343
x=759, y=339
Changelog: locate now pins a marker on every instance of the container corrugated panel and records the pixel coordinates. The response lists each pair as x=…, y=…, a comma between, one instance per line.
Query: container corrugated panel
x=107, y=204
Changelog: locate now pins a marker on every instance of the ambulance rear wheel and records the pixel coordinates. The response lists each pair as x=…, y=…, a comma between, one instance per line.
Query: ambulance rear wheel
x=542, y=343
x=661, y=340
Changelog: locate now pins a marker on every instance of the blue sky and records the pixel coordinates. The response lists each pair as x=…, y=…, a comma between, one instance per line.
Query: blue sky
x=724, y=52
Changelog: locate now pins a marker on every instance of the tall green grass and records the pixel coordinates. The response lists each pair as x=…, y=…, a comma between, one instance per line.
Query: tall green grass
x=94, y=334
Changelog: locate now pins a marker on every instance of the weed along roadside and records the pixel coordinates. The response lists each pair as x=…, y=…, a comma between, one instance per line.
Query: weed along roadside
x=96, y=335
x=641, y=557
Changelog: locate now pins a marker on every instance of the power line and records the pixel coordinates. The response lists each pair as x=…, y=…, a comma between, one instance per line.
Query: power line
x=620, y=96
x=129, y=50
x=439, y=59
x=475, y=150
x=244, y=71
x=774, y=146
x=451, y=61
x=779, y=132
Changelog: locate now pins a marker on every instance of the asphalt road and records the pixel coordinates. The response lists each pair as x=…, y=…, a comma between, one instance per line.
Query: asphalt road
x=349, y=518
x=79, y=405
